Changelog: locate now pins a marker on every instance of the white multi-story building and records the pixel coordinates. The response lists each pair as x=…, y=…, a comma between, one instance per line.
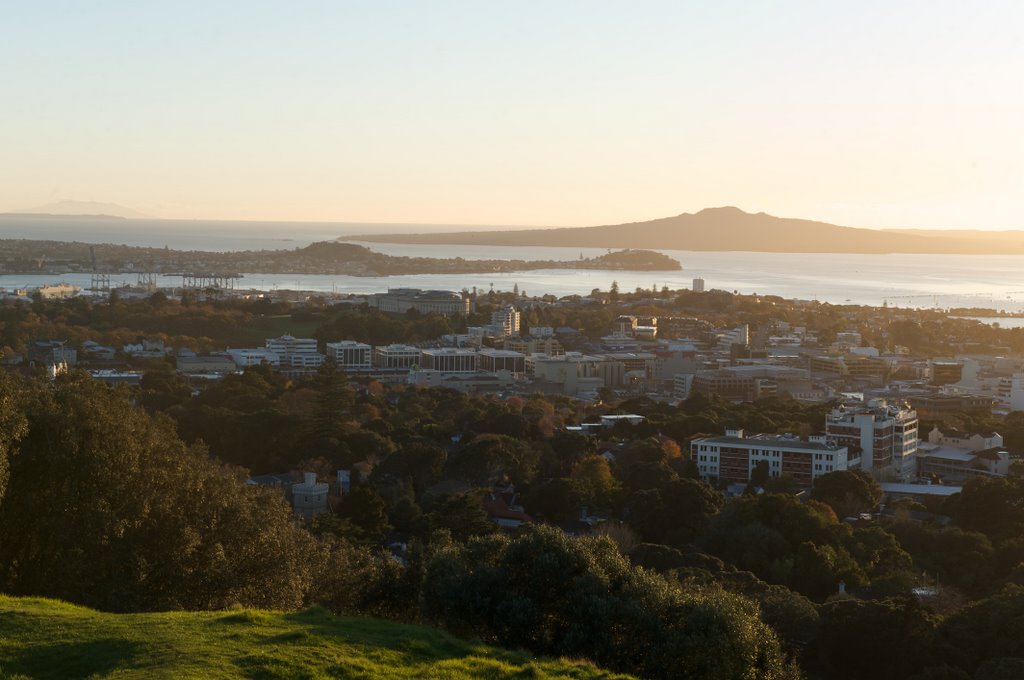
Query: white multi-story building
x=507, y=318
x=682, y=384
x=309, y=497
x=245, y=358
x=396, y=356
x=884, y=433
x=297, y=355
x=734, y=457
x=1015, y=394
x=698, y=285
x=737, y=336
x=286, y=344
x=351, y=355
x=971, y=442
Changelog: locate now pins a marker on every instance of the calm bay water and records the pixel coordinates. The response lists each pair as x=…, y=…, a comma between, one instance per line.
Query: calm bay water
x=943, y=281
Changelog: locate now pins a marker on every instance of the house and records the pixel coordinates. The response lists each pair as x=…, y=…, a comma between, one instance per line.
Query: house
x=502, y=509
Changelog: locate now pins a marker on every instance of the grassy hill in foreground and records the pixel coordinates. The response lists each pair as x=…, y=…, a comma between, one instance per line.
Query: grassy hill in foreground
x=42, y=638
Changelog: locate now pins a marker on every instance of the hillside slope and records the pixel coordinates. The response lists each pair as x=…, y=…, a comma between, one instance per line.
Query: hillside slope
x=42, y=638
x=725, y=229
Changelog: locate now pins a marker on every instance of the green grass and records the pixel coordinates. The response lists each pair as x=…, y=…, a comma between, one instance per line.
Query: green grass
x=42, y=638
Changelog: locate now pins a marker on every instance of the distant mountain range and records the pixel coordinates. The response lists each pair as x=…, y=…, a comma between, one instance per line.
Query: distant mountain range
x=724, y=229
x=83, y=209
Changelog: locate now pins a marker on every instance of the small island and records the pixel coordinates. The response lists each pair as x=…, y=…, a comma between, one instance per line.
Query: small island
x=21, y=256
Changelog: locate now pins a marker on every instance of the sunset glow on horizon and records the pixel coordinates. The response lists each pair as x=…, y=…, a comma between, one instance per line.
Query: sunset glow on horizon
x=869, y=114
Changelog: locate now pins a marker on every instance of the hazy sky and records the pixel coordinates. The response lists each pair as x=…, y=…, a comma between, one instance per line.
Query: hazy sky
x=535, y=113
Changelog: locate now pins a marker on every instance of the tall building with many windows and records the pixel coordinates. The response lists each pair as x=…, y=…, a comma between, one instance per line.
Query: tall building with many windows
x=885, y=435
x=506, y=318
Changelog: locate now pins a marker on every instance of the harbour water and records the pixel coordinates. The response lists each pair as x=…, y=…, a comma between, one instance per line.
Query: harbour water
x=899, y=280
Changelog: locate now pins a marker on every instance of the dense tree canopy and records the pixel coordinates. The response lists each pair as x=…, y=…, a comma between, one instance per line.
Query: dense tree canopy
x=108, y=507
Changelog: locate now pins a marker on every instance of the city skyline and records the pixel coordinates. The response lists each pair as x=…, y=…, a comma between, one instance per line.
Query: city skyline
x=571, y=114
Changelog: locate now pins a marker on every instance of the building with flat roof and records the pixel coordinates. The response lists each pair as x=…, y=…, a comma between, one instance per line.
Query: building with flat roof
x=463, y=381
x=255, y=356
x=296, y=356
x=735, y=456
x=507, y=319
x=533, y=345
x=309, y=497
x=574, y=373
x=287, y=344
x=501, y=360
x=213, y=363
x=350, y=355
x=939, y=406
x=396, y=356
x=401, y=300
x=946, y=372
x=449, y=359
x=733, y=386
x=884, y=434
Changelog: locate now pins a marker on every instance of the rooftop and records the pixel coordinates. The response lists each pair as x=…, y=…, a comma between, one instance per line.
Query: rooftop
x=920, y=489
x=774, y=440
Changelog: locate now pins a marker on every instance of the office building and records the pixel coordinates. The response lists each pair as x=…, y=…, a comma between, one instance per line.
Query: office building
x=735, y=456
x=351, y=356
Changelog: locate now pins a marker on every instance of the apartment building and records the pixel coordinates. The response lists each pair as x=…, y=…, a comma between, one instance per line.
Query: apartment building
x=507, y=319
x=883, y=433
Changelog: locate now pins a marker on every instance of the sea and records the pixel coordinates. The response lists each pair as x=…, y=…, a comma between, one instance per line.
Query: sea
x=898, y=280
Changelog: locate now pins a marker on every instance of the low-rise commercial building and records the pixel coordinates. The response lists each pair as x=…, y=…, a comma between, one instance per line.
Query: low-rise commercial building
x=449, y=360
x=213, y=363
x=954, y=464
x=501, y=360
x=735, y=456
x=350, y=355
x=253, y=356
x=396, y=356
x=401, y=300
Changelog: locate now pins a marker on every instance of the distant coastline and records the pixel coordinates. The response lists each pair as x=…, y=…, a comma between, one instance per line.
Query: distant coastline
x=29, y=256
x=731, y=229
x=17, y=215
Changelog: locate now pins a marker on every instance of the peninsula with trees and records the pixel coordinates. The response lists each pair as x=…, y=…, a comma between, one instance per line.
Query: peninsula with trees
x=22, y=256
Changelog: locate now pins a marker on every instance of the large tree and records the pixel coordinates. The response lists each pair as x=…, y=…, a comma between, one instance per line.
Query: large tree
x=555, y=594
x=848, y=492
x=107, y=507
x=12, y=425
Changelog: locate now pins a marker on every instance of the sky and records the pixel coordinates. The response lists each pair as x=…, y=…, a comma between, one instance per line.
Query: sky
x=546, y=113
